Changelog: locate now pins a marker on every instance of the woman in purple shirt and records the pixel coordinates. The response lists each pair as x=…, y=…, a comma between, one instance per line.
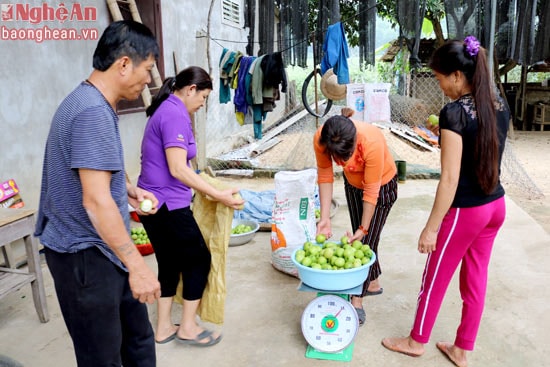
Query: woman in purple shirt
x=167, y=148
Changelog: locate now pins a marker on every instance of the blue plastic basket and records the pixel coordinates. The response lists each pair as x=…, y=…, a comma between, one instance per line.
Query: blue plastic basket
x=332, y=280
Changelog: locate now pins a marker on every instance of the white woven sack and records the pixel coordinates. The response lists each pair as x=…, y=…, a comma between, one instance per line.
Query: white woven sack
x=355, y=98
x=293, y=217
x=377, y=102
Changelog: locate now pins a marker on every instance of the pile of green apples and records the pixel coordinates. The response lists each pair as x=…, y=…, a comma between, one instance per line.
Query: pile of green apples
x=139, y=236
x=326, y=255
x=241, y=228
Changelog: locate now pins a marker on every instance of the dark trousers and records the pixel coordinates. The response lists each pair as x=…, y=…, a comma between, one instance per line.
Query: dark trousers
x=386, y=199
x=180, y=249
x=107, y=325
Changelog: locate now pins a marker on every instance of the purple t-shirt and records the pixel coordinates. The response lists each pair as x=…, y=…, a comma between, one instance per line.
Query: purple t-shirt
x=170, y=126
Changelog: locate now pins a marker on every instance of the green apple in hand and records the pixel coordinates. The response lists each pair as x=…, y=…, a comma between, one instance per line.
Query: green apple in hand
x=321, y=238
x=146, y=205
x=433, y=120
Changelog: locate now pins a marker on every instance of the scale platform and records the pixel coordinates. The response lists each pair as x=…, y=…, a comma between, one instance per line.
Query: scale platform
x=345, y=355
x=306, y=288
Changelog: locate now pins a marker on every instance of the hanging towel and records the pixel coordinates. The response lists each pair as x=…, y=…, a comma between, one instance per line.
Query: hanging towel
x=336, y=53
x=227, y=60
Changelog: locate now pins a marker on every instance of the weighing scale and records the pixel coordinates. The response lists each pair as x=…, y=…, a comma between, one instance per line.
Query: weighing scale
x=330, y=324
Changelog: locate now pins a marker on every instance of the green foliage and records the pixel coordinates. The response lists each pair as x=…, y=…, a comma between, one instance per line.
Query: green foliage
x=427, y=28
x=387, y=9
x=514, y=76
x=348, y=14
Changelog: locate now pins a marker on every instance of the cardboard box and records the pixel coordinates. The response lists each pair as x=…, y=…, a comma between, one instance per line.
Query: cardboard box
x=9, y=195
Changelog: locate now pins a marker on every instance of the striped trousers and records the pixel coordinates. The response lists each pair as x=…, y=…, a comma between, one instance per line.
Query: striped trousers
x=386, y=198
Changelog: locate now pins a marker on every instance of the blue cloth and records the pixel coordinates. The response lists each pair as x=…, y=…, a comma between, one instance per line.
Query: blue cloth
x=336, y=53
x=240, y=100
x=258, y=206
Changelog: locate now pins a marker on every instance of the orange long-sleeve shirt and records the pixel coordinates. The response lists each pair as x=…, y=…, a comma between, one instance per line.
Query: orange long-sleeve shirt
x=370, y=167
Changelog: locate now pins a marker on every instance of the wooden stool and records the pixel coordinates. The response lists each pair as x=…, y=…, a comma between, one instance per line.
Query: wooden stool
x=541, y=115
x=18, y=224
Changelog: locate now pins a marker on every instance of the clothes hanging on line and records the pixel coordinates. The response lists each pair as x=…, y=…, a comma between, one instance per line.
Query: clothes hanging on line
x=257, y=82
x=228, y=60
x=336, y=53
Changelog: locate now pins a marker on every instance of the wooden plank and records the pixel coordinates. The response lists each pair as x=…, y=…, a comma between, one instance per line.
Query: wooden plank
x=9, y=215
x=10, y=282
x=264, y=147
x=15, y=230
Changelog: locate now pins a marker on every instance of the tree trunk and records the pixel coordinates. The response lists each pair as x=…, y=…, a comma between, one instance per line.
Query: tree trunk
x=438, y=30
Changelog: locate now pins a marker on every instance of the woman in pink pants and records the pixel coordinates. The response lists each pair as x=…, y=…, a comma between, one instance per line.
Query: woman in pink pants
x=469, y=207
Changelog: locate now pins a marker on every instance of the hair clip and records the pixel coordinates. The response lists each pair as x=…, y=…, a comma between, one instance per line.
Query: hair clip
x=472, y=45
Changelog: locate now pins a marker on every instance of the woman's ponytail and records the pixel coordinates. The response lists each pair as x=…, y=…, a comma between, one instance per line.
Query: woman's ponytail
x=166, y=89
x=486, y=150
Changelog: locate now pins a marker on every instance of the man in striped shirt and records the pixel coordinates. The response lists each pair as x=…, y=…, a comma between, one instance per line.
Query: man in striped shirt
x=101, y=280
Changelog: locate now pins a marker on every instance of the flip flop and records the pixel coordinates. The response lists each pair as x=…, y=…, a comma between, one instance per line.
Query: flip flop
x=444, y=348
x=361, y=315
x=375, y=293
x=198, y=339
x=168, y=339
x=387, y=342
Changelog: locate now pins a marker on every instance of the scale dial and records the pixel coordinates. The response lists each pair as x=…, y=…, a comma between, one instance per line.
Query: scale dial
x=329, y=323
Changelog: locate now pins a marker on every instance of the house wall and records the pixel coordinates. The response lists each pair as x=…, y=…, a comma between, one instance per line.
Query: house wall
x=36, y=76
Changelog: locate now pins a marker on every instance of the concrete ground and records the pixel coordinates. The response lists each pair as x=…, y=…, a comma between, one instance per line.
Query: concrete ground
x=264, y=307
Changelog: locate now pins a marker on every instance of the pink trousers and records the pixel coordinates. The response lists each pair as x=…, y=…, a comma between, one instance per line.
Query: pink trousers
x=467, y=235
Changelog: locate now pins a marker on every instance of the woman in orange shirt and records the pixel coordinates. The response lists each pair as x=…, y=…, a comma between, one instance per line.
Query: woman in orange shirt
x=370, y=184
